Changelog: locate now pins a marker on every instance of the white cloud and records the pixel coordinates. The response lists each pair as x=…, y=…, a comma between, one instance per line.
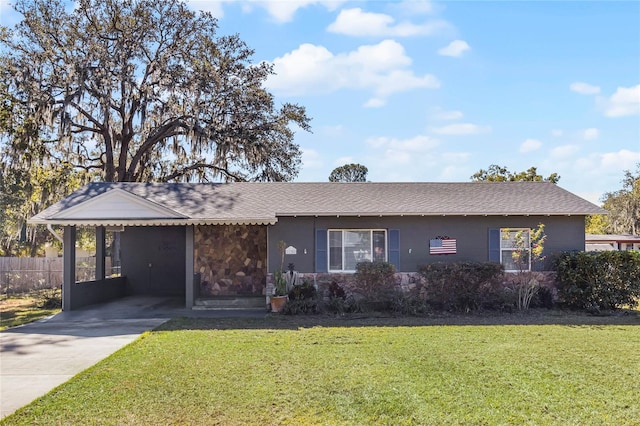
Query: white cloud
x=387, y=153
x=381, y=68
x=333, y=131
x=624, y=102
x=283, y=11
x=356, y=22
x=415, y=7
x=455, y=49
x=440, y=114
x=461, y=129
x=564, y=152
x=279, y=11
x=620, y=160
x=590, y=134
x=311, y=159
x=530, y=145
x=608, y=163
x=556, y=133
x=4, y=5
x=415, y=144
x=455, y=166
x=213, y=7
x=375, y=103
x=584, y=88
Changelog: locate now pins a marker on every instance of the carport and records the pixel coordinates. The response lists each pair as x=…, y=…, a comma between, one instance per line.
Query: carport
x=153, y=245
x=152, y=231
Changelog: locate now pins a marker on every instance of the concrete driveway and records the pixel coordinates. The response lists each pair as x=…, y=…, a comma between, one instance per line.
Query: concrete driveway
x=37, y=357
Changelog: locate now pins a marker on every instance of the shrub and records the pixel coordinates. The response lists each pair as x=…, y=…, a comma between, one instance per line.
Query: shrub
x=408, y=304
x=543, y=298
x=374, y=280
x=342, y=305
x=336, y=291
x=598, y=280
x=302, y=306
x=303, y=299
x=464, y=286
x=304, y=291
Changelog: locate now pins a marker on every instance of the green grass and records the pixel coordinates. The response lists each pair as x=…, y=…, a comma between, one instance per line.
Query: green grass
x=358, y=375
x=23, y=309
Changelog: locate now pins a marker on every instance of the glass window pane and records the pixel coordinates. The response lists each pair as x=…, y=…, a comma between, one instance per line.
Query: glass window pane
x=513, y=238
x=508, y=261
x=357, y=248
x=335, y=250
x=511, y=261
x=379, y=246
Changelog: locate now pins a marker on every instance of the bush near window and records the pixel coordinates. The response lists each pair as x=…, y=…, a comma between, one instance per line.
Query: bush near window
x=373, y=279
x=598, y=280
x=465, y=286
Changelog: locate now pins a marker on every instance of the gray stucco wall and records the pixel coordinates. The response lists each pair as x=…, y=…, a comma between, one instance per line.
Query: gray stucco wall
x=153, y=260
x=100, y=291
x=471, y=232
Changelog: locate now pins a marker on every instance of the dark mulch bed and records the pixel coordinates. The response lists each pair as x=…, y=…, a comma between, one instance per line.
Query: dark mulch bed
x=530, y=317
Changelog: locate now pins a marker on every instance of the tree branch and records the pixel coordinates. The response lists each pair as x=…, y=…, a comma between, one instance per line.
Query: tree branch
x=197, y=166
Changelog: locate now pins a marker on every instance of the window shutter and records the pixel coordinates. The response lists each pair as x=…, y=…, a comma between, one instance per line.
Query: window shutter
x=321, y=250
x=494, y=245
x=394, y=248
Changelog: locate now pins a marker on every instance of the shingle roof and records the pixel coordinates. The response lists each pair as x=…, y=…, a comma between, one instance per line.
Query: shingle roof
x=244, y=201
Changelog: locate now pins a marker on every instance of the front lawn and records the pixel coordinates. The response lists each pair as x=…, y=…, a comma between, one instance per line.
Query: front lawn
x=355, y=375
x=25, y=308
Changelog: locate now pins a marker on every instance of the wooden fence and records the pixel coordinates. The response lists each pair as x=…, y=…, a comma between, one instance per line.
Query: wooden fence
x=23, y=274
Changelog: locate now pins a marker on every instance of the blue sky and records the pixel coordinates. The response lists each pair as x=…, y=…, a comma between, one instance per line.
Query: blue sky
x=435, y=91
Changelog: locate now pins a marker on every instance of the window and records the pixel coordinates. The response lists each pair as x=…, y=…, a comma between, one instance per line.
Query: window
x=515, y=249
x=348, y=247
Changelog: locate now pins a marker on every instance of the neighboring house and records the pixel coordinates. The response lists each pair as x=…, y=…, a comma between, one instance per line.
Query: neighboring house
x=221, y=240
x=611, y=242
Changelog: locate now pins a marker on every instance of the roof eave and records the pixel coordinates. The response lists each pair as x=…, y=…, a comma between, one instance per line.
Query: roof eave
x=155, y=222
x=413, y=214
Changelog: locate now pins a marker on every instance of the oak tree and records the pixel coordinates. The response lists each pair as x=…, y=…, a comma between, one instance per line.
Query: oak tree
x=145, y=90
x=623, y=205
x=349, y=173
x=496, y=173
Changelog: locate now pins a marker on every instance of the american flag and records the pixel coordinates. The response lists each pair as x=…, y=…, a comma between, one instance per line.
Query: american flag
x=439, y=246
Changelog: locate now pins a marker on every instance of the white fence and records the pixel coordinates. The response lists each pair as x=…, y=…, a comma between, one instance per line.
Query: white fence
x=23, y=274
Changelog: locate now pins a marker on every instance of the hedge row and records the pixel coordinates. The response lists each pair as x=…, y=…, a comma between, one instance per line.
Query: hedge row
x=593, y=281
x=598, y=280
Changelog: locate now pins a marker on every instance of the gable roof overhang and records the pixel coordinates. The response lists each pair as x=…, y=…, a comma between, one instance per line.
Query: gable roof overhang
x=118, y=207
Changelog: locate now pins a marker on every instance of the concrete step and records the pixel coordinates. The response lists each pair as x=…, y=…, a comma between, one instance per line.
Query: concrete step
x=213, y=303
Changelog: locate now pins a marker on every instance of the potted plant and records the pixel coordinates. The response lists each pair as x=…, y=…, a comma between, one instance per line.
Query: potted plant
x=279, y=297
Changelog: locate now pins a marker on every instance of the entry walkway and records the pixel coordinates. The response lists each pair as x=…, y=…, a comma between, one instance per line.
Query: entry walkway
x=37, y=357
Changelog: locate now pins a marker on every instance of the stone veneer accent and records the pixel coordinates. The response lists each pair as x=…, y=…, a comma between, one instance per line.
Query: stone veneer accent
x=231, y=259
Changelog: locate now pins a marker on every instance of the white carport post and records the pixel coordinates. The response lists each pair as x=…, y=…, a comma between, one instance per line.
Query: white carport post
x=69, y=265
x=189, y=271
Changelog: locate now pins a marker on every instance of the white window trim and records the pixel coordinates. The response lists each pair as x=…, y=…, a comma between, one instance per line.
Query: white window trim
x=342, y=230
x=509, y=249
